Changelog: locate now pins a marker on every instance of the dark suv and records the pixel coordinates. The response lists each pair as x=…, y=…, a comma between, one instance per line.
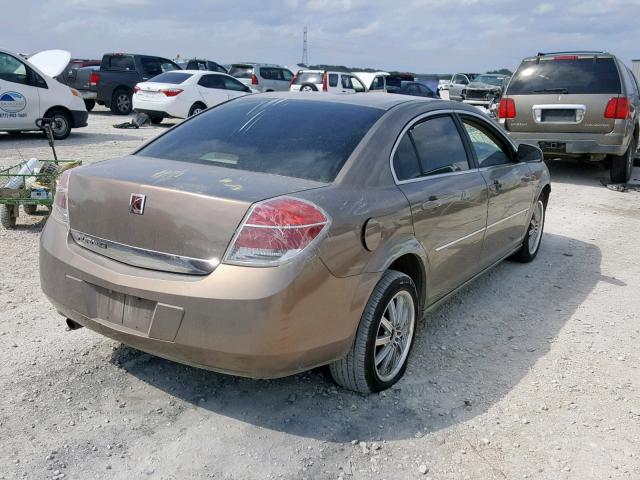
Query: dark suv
x=582, y=105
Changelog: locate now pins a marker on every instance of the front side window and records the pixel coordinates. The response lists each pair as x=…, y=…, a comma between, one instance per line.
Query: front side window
x=13, y=70
x=168, y=65
x=489, y=150
x=346, y=82
x=233, y=84
x=378, y=83
x=287, y=76
x=358, y=86
x=439, y=145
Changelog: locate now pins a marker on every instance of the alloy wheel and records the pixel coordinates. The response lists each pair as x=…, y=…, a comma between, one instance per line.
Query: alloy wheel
x=535, y=227
x=394, y=335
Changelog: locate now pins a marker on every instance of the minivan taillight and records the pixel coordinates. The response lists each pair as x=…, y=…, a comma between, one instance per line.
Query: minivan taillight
x=325, y=82
x=275, y=231
x=293, y=79
x=94, y=79
x=171, y=92
x=507, y=108
x=61, y=198
x=136, y=89
x=617, y=108
x=254, y=79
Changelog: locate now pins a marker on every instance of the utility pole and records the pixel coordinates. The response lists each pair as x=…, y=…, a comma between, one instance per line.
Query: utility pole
x=305, y=49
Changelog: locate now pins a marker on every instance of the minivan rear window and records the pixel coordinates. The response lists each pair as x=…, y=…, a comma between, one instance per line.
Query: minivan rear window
x=289, y=137
x=566, y=75
x=175, y=78
x=241, y=71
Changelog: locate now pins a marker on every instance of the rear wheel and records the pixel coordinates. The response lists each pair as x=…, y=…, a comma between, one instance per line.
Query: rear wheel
x=378, y=356
x=60, y=125
x=622, y=165
x=89, y=104
x=531, y=243
x=7, y=216
x=196, y=108
x=121, y=102
x=308, y=87
x=156, y=119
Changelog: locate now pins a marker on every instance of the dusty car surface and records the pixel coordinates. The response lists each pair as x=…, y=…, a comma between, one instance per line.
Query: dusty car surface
x=579, y=105
x=250, y=242
x=485, y=89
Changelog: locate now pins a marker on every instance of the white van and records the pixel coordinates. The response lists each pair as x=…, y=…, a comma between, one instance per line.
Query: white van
x=28, y=90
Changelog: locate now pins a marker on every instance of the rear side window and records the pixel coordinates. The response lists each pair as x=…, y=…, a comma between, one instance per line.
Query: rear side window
x=405, y=160
x=266, y=135
x=439, y=145
x=123, y=62
x=333, y=79
x=567, y=75
x=309, y=77
x=171, y=77
x=241, y=71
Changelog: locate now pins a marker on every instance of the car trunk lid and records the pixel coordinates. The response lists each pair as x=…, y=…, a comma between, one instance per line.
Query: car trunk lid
x=189, y=211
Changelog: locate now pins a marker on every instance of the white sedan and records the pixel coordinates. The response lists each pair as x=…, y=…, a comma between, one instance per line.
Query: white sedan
x=182, y=93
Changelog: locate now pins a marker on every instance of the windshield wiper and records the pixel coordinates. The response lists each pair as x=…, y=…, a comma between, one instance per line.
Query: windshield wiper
x=552, y=90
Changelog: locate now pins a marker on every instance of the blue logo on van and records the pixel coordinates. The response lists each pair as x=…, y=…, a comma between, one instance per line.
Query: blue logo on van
x=12, y=102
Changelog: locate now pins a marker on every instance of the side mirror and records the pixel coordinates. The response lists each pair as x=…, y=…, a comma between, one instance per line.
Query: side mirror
x=529, y=153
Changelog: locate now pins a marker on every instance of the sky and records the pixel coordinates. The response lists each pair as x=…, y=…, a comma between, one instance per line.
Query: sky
x=424, y=36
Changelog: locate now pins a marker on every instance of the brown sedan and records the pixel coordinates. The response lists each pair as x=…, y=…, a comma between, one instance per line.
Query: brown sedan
x=279, y=232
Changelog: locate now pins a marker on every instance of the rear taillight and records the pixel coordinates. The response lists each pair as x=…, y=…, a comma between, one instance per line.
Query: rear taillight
x=293, y=80
x=325, y=82
x=275, y=231
x=617, y=108
x=254, y=79
x=136, y=89
x=94, y=79
x=61, y=198
x=171, y=92
x=507, y=108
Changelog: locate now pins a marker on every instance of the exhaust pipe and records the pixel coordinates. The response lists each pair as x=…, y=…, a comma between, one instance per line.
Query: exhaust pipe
x=73, y=325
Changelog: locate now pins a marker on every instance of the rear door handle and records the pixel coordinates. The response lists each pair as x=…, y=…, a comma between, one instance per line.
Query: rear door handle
x=431, y=203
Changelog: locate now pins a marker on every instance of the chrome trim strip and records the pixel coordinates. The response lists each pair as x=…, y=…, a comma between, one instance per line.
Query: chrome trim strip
x=450, y=244
x=143, y=258
x=507, y=218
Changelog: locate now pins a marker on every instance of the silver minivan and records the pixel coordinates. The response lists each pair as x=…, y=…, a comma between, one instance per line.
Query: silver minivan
x=263, y=77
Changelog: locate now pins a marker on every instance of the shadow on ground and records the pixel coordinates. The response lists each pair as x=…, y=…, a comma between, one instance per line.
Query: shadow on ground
x=468, y=355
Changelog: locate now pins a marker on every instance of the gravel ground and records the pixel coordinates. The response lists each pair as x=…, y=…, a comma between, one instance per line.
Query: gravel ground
x=531, y=372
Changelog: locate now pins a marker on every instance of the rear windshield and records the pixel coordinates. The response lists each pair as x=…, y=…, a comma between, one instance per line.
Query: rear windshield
x=569, y=75
x=170, y=77
x=308, y=77
x=241, y=71
x=294, y=138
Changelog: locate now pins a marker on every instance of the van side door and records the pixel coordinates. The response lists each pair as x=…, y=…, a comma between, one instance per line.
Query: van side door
x=19, y=94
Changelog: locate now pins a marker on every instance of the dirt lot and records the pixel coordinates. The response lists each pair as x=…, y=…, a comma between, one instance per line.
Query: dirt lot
x=531, y=372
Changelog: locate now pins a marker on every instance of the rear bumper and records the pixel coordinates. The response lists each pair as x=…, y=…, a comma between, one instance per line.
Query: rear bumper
x=88, y=94
x=255, y=322
x=79, y=118
x=167, y=108
x=573, y=144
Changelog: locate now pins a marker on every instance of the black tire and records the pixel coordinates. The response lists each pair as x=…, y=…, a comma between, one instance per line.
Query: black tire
x=156, y=119
x=527, y=254
x=308, y=87
x=89, y=104
x=357, y=371
x=61, y=125
x=197, y=108
x=121, y=102
x=30, y=209
x=622, y=165
x=7, y=216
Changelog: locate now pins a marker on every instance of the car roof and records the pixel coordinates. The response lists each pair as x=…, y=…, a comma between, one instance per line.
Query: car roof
x=381, y=100
x=194, y=72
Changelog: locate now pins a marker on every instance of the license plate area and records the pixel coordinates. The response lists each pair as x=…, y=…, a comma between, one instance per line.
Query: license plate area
x=563, y=115
x=126, y=310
